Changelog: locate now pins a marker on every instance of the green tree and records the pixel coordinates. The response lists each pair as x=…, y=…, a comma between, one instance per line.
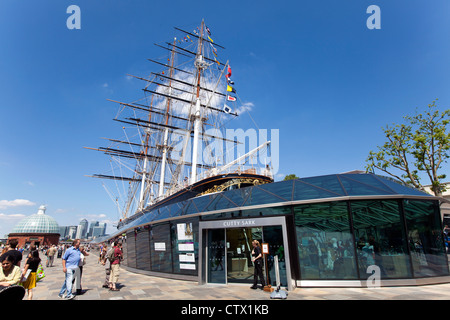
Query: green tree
x=290, y=177
x=421, y=145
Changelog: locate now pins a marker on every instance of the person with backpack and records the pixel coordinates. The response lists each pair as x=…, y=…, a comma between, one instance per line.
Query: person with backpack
x=115, y=266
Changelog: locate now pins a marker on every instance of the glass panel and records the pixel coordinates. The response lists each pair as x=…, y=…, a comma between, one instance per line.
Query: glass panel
x=271, y=211
x=202, y=201
x=145, y=218
x=399, y=188
x=258, y=195
x=354, y=188
x=305, y=191
x=238, y=196
x=426, y=243
x=216, y=256
x=221, y=202
x=189, y=207
x=368, y=181
x=282, y=189
x=239, y=252
x=330, y=183
x=273, y=235
x=176, y=209
x=218, y=216
x=325, y=241
x=380, y=238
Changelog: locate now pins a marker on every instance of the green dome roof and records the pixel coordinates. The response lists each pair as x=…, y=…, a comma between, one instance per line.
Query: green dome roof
x=37, y=223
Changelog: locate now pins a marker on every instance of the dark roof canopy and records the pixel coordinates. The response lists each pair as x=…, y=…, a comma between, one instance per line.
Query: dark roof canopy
x=325, y=187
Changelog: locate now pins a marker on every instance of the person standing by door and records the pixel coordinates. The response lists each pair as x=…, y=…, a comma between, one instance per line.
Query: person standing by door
x=257, y=259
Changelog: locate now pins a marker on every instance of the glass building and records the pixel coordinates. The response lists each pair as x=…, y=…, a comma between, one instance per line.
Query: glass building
x=37, y=223
x=333, y=230
x=37, y=229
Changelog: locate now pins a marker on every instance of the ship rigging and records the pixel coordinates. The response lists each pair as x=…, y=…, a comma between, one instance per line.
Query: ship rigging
x=181, y=149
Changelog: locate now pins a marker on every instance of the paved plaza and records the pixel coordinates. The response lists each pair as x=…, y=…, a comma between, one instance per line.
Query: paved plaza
x=135, y=286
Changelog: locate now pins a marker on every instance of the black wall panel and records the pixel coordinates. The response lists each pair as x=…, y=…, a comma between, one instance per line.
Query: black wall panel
x=143, y=249
x=131, y=249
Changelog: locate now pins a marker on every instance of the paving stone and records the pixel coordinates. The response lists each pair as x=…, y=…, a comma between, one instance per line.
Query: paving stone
x=135, y=286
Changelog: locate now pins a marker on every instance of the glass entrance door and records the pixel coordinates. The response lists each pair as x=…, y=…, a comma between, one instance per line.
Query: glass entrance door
x=273, y=235
x=230, y=254
x=239, y=253
x=216, y=256
x=228, y=247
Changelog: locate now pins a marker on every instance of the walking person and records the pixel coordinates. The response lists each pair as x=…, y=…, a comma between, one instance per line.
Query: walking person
x=51, y=256
x=31, y=264
x=70, y=262
x=60, y=250
x=102, y=253
x=79, y=273
x=115, y=267
x=258, y=263
x=103, y=261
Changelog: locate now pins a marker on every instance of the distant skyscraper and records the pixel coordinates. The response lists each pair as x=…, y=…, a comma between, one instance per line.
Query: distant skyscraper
x=82, y=229
x=99, y=230
x=91, y=228
x=72, y=232
x=63, y=231
x=103, y=226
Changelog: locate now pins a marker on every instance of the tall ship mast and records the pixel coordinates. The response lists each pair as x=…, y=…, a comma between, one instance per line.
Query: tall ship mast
x=178, y=147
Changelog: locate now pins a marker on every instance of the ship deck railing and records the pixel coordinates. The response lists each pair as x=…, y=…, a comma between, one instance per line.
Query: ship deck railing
x=266, y=172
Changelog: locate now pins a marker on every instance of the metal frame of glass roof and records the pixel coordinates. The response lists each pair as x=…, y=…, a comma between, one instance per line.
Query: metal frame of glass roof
x=334, y=187
x=37, y=223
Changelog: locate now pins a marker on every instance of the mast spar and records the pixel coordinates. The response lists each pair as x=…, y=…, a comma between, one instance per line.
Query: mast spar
x=166, y=130
x=200, y=64
x=144, y=171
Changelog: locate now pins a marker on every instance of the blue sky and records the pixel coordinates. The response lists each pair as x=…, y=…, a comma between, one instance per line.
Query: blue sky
x=311, y=69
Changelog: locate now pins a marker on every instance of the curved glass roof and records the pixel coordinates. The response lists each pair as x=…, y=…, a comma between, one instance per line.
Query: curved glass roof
x=37, y=223
x=312, y=188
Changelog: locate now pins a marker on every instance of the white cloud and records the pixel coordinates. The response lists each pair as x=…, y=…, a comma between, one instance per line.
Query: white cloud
x=91, y=217
x=7, y=217
x=105, y=85
x=5, y=204
x=245, y=107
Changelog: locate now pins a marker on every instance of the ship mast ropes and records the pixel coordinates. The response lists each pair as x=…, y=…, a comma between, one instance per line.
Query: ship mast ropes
x=178, y=122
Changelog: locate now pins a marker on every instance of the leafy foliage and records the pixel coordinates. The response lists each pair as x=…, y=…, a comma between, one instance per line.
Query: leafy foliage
x=421, y=145
x=290, y=177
